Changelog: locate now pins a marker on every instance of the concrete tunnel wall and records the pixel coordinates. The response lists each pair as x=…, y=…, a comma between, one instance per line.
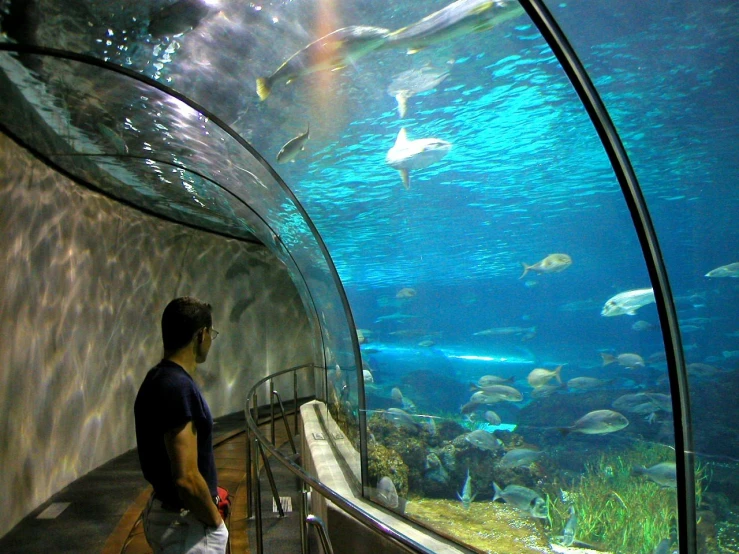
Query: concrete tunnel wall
x=83, y=284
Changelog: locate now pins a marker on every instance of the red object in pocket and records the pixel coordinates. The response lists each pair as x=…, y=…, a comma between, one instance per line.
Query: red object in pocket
x=223, y=501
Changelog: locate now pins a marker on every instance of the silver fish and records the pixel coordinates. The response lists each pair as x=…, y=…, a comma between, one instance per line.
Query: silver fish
x=467, y=497
x=519, y=457
x=526, y=332
x=568, y=534
x=492, y=418
x=332, y=51
x=406, y=155
x=414, y=81
x=483, y=440
x=293, y=147
x=553, y=263
x=587, y=383
x=632, y=361
x=664, y=474
x=495, y=393
x=523, y=499
x=627, y=302
x=487, y=380
x=730, y=270
x=401, y=418
x=386, y=494
x=597, y=422
x=454, y=20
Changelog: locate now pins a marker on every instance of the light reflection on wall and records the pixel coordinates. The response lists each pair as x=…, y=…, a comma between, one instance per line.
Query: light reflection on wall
x=83, y=284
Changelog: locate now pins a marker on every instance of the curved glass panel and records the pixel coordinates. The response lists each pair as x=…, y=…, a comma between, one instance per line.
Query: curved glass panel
x=668, y=77
x=431, y=260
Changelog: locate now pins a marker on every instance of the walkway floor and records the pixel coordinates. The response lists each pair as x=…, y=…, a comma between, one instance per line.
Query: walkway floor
x=101, y=511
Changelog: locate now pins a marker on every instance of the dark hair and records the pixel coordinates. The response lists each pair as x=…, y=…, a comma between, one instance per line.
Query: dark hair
x=181, y=319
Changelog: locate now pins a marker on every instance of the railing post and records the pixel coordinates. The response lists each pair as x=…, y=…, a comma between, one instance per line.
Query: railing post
x=284, y=420
x=303, y=507
x=258, y=500
x=317, y=522
x=295, y=399
x=272, y=411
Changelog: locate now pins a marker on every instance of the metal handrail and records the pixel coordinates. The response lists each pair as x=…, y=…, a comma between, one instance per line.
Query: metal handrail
x=372, y=523
x=317, y=522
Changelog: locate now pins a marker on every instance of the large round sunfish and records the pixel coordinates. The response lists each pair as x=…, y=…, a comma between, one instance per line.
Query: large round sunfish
x=412, y=82
x=454, y=20
x=415, y=154
x=332, y=51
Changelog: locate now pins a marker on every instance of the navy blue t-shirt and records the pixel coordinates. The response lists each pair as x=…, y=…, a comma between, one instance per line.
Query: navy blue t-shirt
x=169, y=398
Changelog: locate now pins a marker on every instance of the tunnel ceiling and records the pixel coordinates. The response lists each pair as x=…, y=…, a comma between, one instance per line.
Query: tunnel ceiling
x=505, y=106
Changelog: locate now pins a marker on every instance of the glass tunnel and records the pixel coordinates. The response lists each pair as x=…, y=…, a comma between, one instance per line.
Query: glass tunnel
x=511, y=227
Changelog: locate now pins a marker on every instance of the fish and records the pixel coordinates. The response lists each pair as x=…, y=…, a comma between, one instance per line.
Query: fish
x=524, y=332
x=467, y=497
x=406, y=155
x=452, y=21
x=568, y=534
x=179, y=18
x=332, y=51
x=597, y=422
x=730, y=270
x=541, y=376
x=638, y=403
x=627, y=302
x=553, y=263
x=631, y=361
x=293, y=147
x=412, y=82
x=587, y=383
x=518, y=457
x=642, y=325
x=488, y=380
x=547, y=390
x=523, y=499
x=386, y=493
x=401, y=418
x=702, y=370
x=394, y=317
x=492, y=418
x=367, y=376
x=406, y=292
x=426, y=343
x=483, y=440
x=664, y=474
x=396, y=395
x=495, y=393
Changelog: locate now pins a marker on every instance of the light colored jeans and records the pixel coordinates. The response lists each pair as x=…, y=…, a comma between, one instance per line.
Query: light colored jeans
x=181, y=533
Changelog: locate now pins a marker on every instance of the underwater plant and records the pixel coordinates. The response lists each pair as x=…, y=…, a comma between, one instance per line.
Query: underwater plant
x=617, y=510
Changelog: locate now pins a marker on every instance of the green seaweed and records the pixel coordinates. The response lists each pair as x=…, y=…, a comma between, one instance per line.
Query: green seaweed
x=618, y=511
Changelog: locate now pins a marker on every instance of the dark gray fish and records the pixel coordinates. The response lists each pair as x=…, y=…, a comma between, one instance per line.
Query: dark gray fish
x=332, y=51
x=454, y=20
x=484, y=440
x=179, y=17
x=518, y=457
x=664, y=474
x=239, y=308
x=597, y=422
x=293, y=147
x=401, y=418
x=523, y=499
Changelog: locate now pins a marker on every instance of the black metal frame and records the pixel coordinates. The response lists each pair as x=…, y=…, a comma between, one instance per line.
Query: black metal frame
x=685, y=451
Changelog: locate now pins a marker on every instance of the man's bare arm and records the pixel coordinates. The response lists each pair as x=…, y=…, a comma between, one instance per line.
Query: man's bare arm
x=182, y=448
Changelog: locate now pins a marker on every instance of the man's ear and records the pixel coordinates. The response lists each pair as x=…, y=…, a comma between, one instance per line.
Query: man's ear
x=201, y=336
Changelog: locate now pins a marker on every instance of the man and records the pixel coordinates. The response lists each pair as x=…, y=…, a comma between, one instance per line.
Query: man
x=174, y=432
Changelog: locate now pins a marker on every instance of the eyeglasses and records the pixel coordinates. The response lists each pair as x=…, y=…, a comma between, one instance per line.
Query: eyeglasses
x=213, y=334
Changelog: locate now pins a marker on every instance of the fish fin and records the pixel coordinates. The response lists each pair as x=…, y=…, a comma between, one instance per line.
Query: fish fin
x=557, y=374
x=402, y=136
x=631, y=312
x=607, y=358
x=474, y=387
x=498, y=492
x=402, y=101
x=511, y=379
x=263, y=88
x=564, y=431
x=526, y=269
x=405, y=176
x=460, y=498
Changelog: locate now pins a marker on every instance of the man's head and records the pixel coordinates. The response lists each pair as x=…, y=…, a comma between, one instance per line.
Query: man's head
x=185, y=320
